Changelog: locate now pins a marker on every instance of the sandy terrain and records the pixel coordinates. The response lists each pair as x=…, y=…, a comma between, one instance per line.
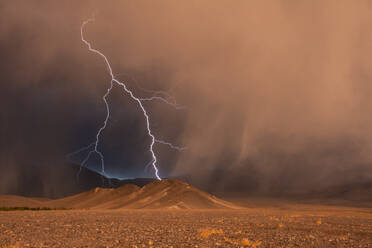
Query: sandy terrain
x=282, y=226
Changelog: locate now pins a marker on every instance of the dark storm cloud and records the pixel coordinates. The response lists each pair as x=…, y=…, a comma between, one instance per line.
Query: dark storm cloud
x=278, y=94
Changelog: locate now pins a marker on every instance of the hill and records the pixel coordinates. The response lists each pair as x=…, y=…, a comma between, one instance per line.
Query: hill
x=20, y=201
x=164, y=194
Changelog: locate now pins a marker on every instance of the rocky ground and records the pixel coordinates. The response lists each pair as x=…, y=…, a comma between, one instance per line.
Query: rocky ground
x=282, y=226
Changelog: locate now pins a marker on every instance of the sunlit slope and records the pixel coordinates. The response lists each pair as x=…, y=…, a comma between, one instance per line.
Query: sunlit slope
x=164, y=194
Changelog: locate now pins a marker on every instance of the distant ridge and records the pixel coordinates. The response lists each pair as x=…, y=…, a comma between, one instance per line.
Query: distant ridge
x=89, y=179
x=62, y=180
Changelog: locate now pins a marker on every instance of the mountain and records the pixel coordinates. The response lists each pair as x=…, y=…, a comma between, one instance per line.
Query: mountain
x=164, y=194
x=94, y=197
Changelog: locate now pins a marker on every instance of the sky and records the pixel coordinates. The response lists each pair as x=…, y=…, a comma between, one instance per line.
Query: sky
x=278, y=93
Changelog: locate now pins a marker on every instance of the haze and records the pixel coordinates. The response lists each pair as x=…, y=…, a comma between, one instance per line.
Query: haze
x=278, y=96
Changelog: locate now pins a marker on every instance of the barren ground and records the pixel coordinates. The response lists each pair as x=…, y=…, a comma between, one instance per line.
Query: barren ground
x=285, y=225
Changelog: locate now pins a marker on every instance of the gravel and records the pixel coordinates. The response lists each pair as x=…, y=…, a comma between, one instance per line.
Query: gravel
x=253, y=227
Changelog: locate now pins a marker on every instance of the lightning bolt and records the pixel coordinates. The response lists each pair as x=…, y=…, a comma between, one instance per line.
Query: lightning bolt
x=175, y=105
x=139, y=101
x=179, y=148
x=154, y=92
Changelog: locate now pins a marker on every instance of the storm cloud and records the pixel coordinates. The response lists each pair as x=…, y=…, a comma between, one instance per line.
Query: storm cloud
x=278, y=94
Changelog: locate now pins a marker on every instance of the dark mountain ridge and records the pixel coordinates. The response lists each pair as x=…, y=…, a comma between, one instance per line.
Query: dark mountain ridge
x=62, y=181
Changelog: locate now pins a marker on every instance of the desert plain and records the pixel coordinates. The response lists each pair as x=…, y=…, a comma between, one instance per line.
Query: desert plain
x=174, y=214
